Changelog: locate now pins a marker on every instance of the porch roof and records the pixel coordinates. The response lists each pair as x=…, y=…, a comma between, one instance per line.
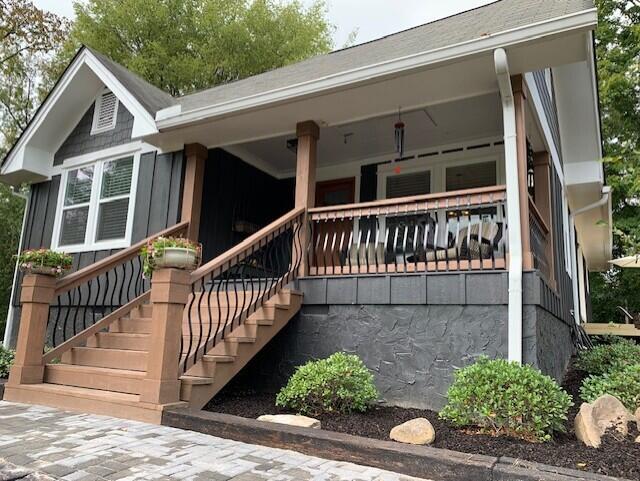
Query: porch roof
x=499, y=17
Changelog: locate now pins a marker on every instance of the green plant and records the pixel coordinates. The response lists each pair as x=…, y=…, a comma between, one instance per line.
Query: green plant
x=341, y=383
x=623, y=384
x=504, y=398
x=6, y=360
x=58, y=262
x=155, y=249
x=605, y=358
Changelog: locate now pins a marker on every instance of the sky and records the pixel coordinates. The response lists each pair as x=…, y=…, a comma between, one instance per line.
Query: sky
x=371, y=18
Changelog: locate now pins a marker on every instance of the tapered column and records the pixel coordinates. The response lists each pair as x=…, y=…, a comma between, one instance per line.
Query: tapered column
x=542, y=186
x=195, y=157
x=170, y=290
x=308, y=134
x=520, y=101
x=38, y=292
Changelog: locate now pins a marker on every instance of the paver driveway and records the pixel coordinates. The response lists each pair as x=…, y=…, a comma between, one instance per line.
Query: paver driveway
x=83, y=447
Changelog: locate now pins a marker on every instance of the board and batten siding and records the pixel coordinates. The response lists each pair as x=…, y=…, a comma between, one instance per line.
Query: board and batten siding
x=157, y=206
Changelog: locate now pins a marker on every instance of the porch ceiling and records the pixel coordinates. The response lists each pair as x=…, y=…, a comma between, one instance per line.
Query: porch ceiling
x=437, y=125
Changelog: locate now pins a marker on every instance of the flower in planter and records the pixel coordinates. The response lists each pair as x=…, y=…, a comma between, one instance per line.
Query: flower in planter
x=170, y=252
x=45, y=261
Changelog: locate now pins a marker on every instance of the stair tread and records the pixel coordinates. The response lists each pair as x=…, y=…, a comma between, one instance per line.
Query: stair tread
x=124, y=334
x=196, y=379
x=84, y=392
x=110, y=349
x=218, y=358
x=97, y=370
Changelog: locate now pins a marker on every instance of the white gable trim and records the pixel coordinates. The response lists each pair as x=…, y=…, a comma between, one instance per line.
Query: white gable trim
x=25, y=161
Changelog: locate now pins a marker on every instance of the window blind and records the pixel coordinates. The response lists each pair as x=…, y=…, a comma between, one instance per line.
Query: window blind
x=405, y=185
x=471, y=176
x=78, y=190
x=74, y=226
x=112, y=219
x=116, y=178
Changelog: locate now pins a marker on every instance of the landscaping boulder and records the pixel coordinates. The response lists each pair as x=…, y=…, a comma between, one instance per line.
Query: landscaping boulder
x=595, y=418
x=416, y=431
x=291, y=420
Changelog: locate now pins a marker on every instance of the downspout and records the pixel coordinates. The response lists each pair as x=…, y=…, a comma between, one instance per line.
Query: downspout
x=514, y=344
x=8, y=327
x=606, y=193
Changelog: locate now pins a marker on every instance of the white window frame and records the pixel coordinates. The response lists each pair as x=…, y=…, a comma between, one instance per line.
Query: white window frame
x=98, y=161
x=98, y=105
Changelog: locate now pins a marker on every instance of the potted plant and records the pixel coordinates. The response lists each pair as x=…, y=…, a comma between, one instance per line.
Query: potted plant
x=45, y=261
x=170, y=252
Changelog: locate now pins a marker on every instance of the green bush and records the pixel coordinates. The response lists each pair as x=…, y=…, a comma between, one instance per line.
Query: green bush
x=505, y=398
x=340, y=383
x=623, y=384
x=609, y=357
x=6, y=360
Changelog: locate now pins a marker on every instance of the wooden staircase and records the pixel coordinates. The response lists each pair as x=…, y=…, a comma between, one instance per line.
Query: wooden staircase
x=105, y=376
x=176, y=342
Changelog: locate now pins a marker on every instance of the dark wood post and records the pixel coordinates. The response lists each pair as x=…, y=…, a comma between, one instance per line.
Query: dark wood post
x=195, y=157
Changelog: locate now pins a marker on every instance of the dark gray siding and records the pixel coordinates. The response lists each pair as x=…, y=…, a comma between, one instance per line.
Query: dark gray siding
x=158, y=199
x=236, y=191
x=80, y=140
x=549, y=107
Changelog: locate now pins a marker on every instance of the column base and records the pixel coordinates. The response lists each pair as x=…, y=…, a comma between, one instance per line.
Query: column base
x=25, y=375
x=160, y=392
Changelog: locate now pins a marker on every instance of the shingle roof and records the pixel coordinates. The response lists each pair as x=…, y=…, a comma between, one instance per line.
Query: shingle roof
x=499, y=16
x=149, y=96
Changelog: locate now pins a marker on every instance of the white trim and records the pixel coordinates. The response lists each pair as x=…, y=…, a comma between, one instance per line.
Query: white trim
x=168, y=118
x=144, y=123
x=96, y=113
x=98, y=160
x=110, y=153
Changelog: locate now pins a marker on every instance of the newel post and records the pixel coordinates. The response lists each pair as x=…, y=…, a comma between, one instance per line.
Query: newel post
x=308, y=134
x=37, y=293
x=170, y=290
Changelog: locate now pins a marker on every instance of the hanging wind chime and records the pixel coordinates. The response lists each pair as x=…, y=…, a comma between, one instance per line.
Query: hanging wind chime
x=399, y=131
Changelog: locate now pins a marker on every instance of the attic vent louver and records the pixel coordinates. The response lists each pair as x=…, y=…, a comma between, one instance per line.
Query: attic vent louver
x=105, y=113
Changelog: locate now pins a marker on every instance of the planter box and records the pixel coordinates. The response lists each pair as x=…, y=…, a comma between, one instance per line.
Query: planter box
x=177, y=258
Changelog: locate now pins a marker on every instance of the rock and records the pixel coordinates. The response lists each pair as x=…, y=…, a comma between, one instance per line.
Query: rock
x=638, y=418
x=416, y=431
x=291, y=420
x=595, y=418
x=638, y=439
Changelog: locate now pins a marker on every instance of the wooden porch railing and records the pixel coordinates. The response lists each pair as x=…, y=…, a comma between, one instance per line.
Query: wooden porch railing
x=89, y=300
x=228, y=289
x=461, y=230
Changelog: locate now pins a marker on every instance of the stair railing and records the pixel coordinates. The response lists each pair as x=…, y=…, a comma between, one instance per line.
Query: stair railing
x=231, y=287
x=90, y=299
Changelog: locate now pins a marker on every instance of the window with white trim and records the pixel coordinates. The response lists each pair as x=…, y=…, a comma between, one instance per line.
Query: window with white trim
x=96, y=205
x=105, y=113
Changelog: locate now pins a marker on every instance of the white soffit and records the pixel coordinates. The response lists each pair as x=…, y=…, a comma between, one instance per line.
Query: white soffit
x=31, y=158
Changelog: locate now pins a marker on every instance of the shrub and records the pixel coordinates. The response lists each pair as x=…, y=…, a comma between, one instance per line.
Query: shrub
x=501, y=397
x=6, y=360
x=609, y=357
x=623, y=384
x=340, y=383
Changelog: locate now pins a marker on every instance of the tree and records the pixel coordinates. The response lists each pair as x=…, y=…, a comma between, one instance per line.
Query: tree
x=618, y=55
x=185, y=45
x=28, y=39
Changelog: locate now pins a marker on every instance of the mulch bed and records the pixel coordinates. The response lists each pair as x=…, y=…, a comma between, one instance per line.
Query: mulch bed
x=620, y=458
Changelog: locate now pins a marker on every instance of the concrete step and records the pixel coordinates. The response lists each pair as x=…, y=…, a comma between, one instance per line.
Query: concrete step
x=104, y=379
x=109, y=358
x=120, y=340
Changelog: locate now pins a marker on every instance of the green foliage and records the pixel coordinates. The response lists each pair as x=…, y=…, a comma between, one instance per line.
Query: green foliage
x=33, y=258
x=155, y=249
x=505, y=398
x=618, y=51
x=624, y=384
x=606, y=358
x=341, y=384
x=6, y=360
x=185, y=45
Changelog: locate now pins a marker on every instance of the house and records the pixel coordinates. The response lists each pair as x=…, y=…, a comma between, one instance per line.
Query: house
x=421, y=200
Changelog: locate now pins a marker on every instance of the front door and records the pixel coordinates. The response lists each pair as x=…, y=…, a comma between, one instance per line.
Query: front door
x=331, y=238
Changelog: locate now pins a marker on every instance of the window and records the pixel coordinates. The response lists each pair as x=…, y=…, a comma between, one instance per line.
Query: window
x=471, y=176
x=105, y=112
x=410, y=184
x=96, y=205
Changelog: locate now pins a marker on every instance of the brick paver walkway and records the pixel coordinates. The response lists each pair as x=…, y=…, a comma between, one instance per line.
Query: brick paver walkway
x=83, y=447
